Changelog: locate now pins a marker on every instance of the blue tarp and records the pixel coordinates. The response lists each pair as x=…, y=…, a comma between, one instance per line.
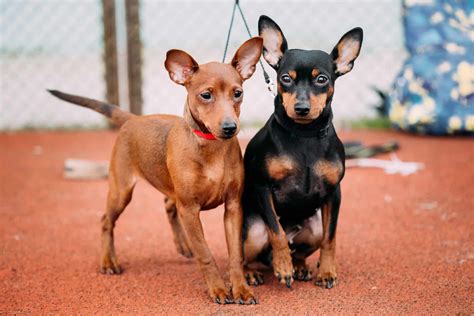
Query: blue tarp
x=434, y=92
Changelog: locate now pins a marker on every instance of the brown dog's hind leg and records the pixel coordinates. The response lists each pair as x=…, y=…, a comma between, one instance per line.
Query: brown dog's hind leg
x=179, y=236
x=121, y=184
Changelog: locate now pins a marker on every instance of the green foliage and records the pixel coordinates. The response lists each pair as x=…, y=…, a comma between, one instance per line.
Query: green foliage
x=372, y=123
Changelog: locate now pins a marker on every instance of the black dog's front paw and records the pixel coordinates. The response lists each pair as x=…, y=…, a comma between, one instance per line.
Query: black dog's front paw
x=283, y=268
x=327, y=277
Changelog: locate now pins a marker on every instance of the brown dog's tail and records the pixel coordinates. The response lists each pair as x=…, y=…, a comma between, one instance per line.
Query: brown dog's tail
x=113, y=112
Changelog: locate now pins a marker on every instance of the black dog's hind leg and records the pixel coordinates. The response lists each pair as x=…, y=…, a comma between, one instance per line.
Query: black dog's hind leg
x=256, y=245
x=305, y=243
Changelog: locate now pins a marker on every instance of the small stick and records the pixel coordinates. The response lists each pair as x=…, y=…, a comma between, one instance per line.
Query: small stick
x=79, y=169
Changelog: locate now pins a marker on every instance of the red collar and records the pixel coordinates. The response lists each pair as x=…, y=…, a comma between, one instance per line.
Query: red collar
x=201, y=134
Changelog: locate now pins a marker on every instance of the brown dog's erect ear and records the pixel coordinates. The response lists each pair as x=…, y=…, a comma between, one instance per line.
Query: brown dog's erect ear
x=180, y=65
x=346, y=51
x=274, y=42
x=247, y=56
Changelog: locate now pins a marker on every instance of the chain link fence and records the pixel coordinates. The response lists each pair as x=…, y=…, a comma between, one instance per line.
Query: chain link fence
x=59, y=44
x=43, y=45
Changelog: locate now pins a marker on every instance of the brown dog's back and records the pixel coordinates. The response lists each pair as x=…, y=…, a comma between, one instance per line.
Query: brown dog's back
x=146, y=140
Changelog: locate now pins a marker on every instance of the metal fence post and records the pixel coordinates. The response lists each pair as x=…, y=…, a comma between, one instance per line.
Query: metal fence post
x=134, y=58
x=110, y=54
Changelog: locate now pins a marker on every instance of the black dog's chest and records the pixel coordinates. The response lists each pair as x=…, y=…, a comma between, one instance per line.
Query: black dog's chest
x=301, y=184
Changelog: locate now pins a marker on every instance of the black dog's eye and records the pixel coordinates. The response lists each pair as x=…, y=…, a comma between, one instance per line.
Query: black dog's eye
x=286, y=79
x=237, y=94
x=321, y=80
x=206, y=95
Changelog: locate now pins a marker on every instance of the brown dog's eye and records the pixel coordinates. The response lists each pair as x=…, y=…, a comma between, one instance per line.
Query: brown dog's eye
x=286, y=79
x=321, y=80
x=237, y=94
x=206, y=95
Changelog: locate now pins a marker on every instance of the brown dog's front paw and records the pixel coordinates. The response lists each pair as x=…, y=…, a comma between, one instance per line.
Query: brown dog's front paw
x=244, y=295
x=302, y=272
x=327, y=276
x=254, y=277
x=220, y=295
x=110, y=266
x=283, y=268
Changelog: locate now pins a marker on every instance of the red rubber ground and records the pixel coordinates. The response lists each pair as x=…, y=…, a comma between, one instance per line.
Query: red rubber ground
x=404, y=244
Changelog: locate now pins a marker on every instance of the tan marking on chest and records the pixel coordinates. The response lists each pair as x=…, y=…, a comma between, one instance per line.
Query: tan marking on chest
x=331, y=171
x=279, y=167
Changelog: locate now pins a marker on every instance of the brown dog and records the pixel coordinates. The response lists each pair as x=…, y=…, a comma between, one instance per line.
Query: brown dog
x=195, y=161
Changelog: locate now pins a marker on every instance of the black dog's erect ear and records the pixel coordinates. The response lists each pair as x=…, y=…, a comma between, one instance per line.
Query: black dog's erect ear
x=346, y=51
x=180, y=65
x=247, y=56
x=274, y=42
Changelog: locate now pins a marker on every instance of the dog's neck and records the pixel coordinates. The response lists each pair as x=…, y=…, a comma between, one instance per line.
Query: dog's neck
x=197, y=127
x=192, y=122
x=318, y=128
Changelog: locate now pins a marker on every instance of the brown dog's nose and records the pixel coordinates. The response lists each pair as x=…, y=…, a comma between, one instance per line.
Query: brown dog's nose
x=229, y=128
x=302, y=109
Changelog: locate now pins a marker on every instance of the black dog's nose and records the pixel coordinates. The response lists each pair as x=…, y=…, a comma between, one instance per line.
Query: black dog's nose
x=229, y=128
x=302, y=109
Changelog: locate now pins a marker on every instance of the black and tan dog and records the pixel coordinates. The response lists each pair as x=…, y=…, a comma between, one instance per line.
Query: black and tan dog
x=294, y=165
x=195, y=161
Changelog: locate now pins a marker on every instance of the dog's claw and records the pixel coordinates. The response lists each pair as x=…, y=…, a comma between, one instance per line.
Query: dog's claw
x=302, y=273
x=254, y=277
x=111, y=271
x=220, y=295
x=228, y=300
x=259, y=278
x=329, y=283
x=242, y=294
x=283, y=267
x=287, y=280
x=110, y=266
